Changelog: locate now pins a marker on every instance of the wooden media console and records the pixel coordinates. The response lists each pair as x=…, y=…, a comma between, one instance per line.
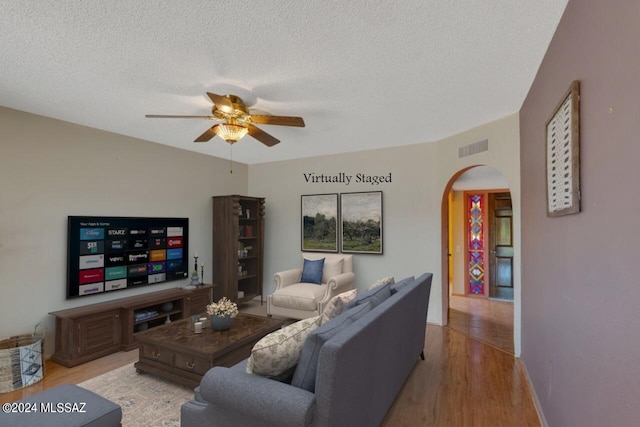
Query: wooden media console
x=93, y=331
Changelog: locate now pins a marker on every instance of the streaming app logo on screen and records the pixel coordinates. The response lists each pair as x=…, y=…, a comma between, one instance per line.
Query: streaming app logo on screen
x=92, y=234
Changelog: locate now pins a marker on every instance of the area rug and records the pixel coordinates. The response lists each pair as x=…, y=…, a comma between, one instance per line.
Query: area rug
x=145, y=400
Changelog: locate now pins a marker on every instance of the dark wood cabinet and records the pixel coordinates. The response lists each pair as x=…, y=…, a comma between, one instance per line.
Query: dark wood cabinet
x=238, y=246
x=92, y=331
x=98, y=333
x=196, y=303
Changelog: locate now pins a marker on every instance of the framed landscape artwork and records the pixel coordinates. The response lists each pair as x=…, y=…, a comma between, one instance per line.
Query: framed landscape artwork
x=563, y=155
x=361, y=220
x=319, y=214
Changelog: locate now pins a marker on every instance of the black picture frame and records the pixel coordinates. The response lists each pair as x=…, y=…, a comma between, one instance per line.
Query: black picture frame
x=319, y=222
x=361, y=222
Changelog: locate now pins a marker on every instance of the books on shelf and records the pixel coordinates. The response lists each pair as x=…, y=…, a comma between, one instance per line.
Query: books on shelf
x=141, y=315
x=245, y=231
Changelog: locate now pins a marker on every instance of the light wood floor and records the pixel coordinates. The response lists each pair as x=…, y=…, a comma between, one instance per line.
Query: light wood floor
x=56, y=374
x=487, y=320
x=462, y=382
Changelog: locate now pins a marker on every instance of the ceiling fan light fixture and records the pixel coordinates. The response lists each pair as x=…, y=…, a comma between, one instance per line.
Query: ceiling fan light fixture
x=231, y=132
x=237, y=121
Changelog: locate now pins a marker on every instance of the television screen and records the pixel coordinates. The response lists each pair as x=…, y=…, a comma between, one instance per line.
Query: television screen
x=112, y=253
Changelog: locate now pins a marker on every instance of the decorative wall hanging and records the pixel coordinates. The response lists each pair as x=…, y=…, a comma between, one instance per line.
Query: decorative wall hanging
x=563, y=155
x=319, y=214
x=361, y=220
x=476, y=246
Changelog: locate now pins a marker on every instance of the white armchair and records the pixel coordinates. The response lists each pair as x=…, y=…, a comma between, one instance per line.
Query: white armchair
x=297, y=300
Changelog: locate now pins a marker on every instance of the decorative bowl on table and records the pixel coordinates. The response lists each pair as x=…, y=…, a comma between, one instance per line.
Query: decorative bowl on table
x=221, y=323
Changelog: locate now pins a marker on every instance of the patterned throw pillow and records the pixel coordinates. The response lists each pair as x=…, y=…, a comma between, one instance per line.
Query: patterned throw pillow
x=335, y=306
x=277, y=353
x=381, y=282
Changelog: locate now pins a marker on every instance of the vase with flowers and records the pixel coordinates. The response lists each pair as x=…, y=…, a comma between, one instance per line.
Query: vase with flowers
x=222, y=313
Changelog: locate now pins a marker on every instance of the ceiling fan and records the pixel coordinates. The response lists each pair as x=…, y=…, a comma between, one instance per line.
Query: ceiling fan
x=237, y=121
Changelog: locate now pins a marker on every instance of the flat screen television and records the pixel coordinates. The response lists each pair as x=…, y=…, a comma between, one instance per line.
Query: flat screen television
x=107, y=254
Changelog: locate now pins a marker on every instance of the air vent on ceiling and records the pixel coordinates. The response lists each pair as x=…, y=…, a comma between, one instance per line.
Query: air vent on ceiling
x=475, y=148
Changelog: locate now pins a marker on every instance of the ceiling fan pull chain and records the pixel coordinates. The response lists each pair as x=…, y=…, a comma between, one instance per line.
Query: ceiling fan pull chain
x=231, y=158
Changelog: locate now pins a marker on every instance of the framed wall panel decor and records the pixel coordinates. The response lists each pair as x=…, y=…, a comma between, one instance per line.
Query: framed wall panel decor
x=319, y=219
x=563, y=155
x=361, y=221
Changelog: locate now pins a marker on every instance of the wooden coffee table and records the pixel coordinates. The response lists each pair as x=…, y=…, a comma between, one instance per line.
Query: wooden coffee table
x=175, y=352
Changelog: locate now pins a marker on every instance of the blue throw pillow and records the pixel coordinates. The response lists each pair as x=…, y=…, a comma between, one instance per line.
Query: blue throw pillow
x=312, y=271
x=305, y=373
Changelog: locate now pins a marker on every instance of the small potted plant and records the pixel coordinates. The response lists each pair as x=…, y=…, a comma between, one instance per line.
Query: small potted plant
x=222, y=313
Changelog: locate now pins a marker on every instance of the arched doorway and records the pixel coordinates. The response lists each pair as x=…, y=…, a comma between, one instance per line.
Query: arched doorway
x=477, y=242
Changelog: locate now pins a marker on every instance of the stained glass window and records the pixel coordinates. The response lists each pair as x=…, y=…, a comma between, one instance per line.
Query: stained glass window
x=476, y=243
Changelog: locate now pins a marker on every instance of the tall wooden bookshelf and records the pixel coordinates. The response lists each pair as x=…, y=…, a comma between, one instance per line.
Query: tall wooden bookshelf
x=238, y=246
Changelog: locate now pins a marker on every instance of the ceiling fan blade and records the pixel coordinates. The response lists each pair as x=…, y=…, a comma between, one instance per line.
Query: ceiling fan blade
x=262, y=136
x=222, y=103
x=278, y=120
x=209, y=133
x=162, y=116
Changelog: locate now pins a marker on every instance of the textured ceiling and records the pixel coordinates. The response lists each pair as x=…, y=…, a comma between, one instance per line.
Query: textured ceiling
x=363, y=73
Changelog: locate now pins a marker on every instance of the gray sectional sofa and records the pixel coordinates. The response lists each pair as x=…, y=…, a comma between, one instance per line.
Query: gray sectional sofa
x=349, y=373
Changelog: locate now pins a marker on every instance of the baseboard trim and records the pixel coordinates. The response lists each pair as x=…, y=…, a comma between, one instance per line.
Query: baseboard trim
x=534, y=395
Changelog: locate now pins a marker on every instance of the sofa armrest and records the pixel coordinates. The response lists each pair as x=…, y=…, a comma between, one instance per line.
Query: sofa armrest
x=337, y=285
x=287, y=277
x=257, y=397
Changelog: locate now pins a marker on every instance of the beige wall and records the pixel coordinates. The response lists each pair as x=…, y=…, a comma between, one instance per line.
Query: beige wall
x=410, y=212
x=580, y=316
x=412, y=202
x=50, y=169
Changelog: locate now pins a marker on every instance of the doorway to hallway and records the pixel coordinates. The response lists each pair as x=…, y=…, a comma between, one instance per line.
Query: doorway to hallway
x=480, y=257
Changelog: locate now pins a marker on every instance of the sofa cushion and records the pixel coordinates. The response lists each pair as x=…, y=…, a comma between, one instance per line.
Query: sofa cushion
x=278, y=352
x=332, y=267
x=304, y=375
x=312, y=271
x=401, y=284
x=375, y=295
x=336, y=305
x=381, y=282
x=302, y=296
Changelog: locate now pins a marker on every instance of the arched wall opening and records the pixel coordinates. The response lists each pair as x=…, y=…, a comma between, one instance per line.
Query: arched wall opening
x=482, y=178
